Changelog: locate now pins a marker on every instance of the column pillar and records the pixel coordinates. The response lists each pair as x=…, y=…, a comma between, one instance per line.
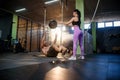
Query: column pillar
x=80, y=7
x=14, y=26
x=94, y=24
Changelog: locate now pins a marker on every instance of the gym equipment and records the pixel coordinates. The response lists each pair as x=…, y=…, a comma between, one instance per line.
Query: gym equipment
x=52, y=24
x=96, y=8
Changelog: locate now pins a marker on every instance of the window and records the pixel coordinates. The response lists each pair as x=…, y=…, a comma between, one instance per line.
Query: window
x=108, y=24
x=101, y=25
x=86, y=26
x=116, y=23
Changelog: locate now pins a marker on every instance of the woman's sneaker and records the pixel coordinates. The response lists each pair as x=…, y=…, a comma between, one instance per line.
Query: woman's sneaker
x=72, y=58
x=81, y=57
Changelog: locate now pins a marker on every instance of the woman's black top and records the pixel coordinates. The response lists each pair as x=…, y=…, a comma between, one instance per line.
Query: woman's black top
x=76, y=23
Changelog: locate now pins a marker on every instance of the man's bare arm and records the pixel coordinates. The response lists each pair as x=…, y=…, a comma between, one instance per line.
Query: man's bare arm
x=55, y=40
x=42, y=40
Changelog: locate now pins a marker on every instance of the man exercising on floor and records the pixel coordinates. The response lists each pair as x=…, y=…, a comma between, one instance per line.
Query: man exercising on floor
x=52, y=50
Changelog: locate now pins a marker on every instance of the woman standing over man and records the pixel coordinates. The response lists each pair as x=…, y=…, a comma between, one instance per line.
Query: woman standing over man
x=78, y=34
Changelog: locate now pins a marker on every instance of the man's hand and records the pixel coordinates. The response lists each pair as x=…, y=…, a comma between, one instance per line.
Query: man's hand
x=44, y=33
x=55, y=35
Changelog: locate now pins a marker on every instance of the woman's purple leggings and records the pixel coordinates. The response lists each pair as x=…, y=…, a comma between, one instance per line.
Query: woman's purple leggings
x=78, y=36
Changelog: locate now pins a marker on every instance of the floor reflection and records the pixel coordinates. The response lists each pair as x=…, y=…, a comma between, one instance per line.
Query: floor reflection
x=94, y=67
x=61, y=73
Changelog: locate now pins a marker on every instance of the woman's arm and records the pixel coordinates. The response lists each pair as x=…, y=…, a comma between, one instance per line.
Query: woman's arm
x=69, y=22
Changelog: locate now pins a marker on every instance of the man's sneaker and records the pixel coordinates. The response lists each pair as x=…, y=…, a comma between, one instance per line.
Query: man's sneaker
x=81, y=57
x=72, y=58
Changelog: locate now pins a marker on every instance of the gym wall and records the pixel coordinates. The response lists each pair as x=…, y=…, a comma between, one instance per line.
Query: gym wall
x=108, y=39
x=5, y=24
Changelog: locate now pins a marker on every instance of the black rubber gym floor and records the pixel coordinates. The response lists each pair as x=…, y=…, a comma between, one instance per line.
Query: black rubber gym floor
x=94, y=67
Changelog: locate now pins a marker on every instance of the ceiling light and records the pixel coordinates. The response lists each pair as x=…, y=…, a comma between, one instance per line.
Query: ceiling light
x=52, y=1
x=19, y=10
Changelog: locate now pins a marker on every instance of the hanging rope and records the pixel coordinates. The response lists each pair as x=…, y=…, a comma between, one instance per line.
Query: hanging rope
x=94, y=13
